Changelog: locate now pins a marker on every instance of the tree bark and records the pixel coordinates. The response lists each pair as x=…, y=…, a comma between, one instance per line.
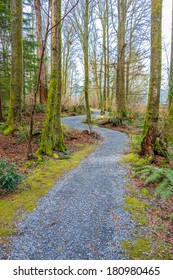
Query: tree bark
x=47, y=139
x=59, y=139
x=120, y=84
x=108, y=56
x=150, y=130
x=86, y=82
x=43, y=86
x=15, y=106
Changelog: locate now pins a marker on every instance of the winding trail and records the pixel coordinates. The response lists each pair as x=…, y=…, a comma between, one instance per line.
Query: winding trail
x=82, y=216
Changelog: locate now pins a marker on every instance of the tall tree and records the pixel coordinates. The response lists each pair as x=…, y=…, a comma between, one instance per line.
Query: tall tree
x=120, y=79
x=59, y=138
x=49, y=141
x=150, y=130
x=4, y=53
x=14, y=114
x=43, y=86
x=85, y=48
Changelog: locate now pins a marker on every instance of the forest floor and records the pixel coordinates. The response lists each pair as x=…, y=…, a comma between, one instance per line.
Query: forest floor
x=94, y=211
x=14, y=147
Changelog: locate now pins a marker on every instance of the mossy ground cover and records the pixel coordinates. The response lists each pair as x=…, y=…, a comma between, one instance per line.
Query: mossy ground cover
x=39, y=181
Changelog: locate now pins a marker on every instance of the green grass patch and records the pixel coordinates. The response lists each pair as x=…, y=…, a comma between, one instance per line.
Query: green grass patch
x=12, y=207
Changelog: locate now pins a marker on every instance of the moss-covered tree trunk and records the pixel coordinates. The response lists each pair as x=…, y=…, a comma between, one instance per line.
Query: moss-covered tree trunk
x=128, y=62
x=103, y=13
x=43, y=86
x=100, y=85
x=59, y=139
x=120, y=79
x=96, y=78
x=108, y=56
x=86, y=82
x=105, y=68
x=16, y=86
x=47, y=139
x=150, y=131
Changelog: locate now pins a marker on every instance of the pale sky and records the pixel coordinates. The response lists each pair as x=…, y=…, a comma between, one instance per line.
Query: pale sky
x=166, y=33
x=167, y=14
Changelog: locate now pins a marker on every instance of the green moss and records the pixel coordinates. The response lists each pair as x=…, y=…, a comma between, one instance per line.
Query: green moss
x=131, y=157
x=145, y=192
x=55, y=156
x=144, y=248
x=34, y=187
x=135, y=159
x=137, y=209
x=139, y=248
x=46, y=145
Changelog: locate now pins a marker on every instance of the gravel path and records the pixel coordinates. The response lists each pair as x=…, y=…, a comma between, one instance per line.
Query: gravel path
x=81, y=217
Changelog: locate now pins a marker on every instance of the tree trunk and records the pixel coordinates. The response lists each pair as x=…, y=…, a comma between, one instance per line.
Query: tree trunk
x=100, y=82
x=43, y=86
x=47, y=140
x=105, y=69
x=150, y=130
x=107, y=49
x=96, y=79
x=66, y=69
x=128, y=62
x=120, y=84
x=14, y=114
x=86, y=82
x=59, y=139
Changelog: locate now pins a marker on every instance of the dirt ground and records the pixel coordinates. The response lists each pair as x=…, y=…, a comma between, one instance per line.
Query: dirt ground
x=14, y=147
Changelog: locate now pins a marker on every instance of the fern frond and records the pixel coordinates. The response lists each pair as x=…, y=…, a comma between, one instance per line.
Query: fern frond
x=169, y=174
x=162, y=176
x=143, y=172
x=155, y=176
x=162, y=186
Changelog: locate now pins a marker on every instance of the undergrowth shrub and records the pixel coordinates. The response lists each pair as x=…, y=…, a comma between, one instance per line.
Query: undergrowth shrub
x=9, y=178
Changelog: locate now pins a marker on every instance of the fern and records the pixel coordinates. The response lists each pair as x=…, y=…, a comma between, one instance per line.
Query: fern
x=162, y=176
x=169, y=174
x=155, y=176
x=143, y=171
x=164, y=188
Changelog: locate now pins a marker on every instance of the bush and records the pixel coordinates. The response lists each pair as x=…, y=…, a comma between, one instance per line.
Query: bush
x=9, y=178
